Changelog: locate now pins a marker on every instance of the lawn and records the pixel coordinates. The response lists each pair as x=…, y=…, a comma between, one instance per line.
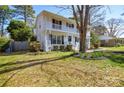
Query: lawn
x=121, y=48
x=58, y=69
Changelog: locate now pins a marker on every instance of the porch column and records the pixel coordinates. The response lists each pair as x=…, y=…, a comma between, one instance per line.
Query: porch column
x=65, y=40
x=46, y=40
x=88, y=39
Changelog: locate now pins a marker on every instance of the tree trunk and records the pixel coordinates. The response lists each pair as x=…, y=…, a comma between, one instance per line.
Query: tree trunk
x=85, y=27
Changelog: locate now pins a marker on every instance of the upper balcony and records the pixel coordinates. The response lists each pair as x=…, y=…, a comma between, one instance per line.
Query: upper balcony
x=62, y=28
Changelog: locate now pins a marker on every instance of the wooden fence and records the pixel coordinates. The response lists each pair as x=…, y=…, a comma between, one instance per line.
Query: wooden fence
x=19, y=45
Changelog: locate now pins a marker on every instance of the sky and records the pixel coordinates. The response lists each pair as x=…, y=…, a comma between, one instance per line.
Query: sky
x=113, y=11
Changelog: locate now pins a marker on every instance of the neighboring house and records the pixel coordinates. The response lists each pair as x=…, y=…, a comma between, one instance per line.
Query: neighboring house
x=55, y=30
x=105, y=39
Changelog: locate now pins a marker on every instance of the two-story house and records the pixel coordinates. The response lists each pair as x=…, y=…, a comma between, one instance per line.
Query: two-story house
x=55, y=30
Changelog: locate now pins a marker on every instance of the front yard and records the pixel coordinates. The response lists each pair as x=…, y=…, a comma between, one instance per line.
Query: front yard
x=121, y=48
x=59, y=69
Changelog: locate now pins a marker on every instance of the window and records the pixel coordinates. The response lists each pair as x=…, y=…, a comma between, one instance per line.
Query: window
x=53, y=39
x=69, y=38
x=76, y=40
x=59, y=39
x=56, y=39
x=56, y=24
x=69, y=25
x=53, y=20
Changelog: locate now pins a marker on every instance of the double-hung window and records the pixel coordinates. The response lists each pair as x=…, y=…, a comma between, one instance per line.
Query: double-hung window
x=57, y=39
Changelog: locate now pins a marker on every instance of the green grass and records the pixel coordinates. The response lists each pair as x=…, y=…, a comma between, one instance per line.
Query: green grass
x=49, y=71
x=121, y=48
x=24, y=56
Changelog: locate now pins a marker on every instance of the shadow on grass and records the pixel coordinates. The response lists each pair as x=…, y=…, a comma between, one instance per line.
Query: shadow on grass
x=117, y=57
x=32, y=63
x=13, y=53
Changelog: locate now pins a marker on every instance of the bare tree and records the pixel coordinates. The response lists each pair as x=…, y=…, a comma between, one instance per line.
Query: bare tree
x=97, y=15
x=114, y=26
x=81, y=19
x=99, y=30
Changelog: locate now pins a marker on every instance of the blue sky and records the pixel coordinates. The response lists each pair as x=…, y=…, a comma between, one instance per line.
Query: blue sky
x=51, y=8
x=116, y=11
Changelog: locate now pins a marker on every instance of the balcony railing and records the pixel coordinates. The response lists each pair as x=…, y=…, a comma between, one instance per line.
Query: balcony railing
x=56, y=26
x=61, y=27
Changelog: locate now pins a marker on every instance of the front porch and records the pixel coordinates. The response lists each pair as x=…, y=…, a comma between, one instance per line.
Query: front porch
x=55, y=40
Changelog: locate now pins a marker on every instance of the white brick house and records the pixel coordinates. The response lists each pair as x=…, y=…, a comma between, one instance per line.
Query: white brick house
x=55, y=30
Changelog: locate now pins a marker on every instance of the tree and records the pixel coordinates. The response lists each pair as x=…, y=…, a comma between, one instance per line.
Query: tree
x=19, y=31
x=25, y=12
x=114, y=26
x=82, y=23
x=5, y=14
x=99, y=30
x=97, y=15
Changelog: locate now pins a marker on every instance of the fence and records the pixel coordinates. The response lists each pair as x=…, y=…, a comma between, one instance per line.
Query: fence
x=112, y=42
x=19, y=45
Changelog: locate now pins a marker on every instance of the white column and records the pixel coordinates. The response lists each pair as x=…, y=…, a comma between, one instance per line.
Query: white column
x=88, y=39
x=46, y=41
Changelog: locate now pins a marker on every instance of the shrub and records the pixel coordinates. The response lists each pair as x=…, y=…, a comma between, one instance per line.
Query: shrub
x=96, y=45
x=118, y=45
x=34, y=46
x=4, y=44
x=69, y=47
x=62, y=48
x=94, y=40
x=33, y=38
x=55, y=48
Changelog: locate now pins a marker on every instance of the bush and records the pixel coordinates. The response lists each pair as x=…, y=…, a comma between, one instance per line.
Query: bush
x=4, y=44
x=62, y=48
x=94, y=40
x=118, y=45
x=55, y=48
x=69, y=47
x=34, y=46
x=96, y=45
x=33, y=38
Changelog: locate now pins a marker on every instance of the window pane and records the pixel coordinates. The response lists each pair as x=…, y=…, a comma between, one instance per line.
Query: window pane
x=53, y=39
x=69, y=38
x=59, y=40
x=75, y=39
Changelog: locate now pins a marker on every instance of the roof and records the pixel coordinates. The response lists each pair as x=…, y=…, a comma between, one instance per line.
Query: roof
x=44, y=12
